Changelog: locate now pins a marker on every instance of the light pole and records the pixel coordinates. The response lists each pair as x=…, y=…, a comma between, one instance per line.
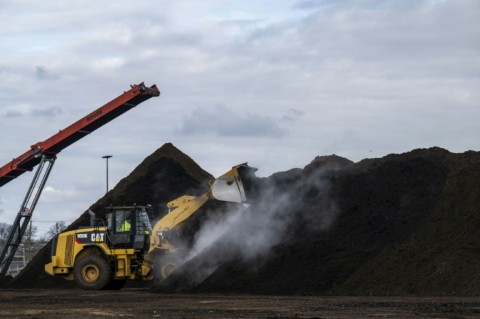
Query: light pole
x=107, y=157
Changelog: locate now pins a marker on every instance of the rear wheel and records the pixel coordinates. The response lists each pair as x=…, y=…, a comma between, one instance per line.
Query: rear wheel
x=92, y=272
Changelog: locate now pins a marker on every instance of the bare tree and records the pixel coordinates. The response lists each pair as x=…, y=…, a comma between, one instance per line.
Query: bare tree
x=56, y=229
x=4, y=232
x=30, y=233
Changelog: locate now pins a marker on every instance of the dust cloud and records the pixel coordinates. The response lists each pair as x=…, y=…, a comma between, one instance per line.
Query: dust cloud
x=249, y=234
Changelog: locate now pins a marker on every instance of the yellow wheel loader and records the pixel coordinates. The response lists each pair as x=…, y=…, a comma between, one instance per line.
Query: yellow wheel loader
x=105, y=256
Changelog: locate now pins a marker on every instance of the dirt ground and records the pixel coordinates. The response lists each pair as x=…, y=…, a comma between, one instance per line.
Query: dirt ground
x=139, y=303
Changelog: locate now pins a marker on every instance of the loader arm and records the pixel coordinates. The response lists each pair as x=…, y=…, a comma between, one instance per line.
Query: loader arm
x=180, y=210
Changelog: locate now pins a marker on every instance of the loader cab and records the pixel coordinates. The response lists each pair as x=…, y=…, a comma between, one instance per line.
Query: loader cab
x=129, y=227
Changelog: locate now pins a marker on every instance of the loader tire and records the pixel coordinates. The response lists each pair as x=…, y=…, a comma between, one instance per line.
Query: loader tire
x=165, y=265
x=92, y=272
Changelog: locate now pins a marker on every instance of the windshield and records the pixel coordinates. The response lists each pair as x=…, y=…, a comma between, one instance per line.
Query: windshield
x=143, y=222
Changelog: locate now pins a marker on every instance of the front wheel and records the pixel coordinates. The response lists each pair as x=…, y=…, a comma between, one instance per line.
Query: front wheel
x=92, y=272
x=165, y=265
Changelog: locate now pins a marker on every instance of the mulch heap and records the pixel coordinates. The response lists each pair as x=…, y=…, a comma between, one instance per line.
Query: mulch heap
x=404, y=224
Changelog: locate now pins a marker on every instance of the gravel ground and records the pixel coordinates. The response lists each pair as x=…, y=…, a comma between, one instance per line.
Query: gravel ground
x=137, y=303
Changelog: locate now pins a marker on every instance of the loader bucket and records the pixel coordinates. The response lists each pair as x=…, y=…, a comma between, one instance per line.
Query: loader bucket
x=234, y=185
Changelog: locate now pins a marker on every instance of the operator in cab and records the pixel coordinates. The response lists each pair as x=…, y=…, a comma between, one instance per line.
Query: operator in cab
x=125, y=226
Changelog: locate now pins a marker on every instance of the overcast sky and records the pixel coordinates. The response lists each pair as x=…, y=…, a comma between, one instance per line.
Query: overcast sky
x=272, y=83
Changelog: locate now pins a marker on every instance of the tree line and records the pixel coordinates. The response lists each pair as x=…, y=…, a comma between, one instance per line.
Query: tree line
x=31, y=236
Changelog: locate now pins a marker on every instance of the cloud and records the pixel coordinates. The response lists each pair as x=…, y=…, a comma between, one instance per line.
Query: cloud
x=222, y=121
x=293, y=115
x=52, y=195
x=13, y=113
x=47, y=112
x=24, y=111
x=41, y=73
x=108, y=64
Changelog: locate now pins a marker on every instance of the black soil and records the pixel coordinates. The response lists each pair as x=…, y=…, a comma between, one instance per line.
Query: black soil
x=405, y=224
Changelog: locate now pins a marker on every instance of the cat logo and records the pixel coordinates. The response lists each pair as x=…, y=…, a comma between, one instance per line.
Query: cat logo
x=97, y=237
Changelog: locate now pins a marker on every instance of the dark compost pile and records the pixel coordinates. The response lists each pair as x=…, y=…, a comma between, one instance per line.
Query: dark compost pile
x=404, y=224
